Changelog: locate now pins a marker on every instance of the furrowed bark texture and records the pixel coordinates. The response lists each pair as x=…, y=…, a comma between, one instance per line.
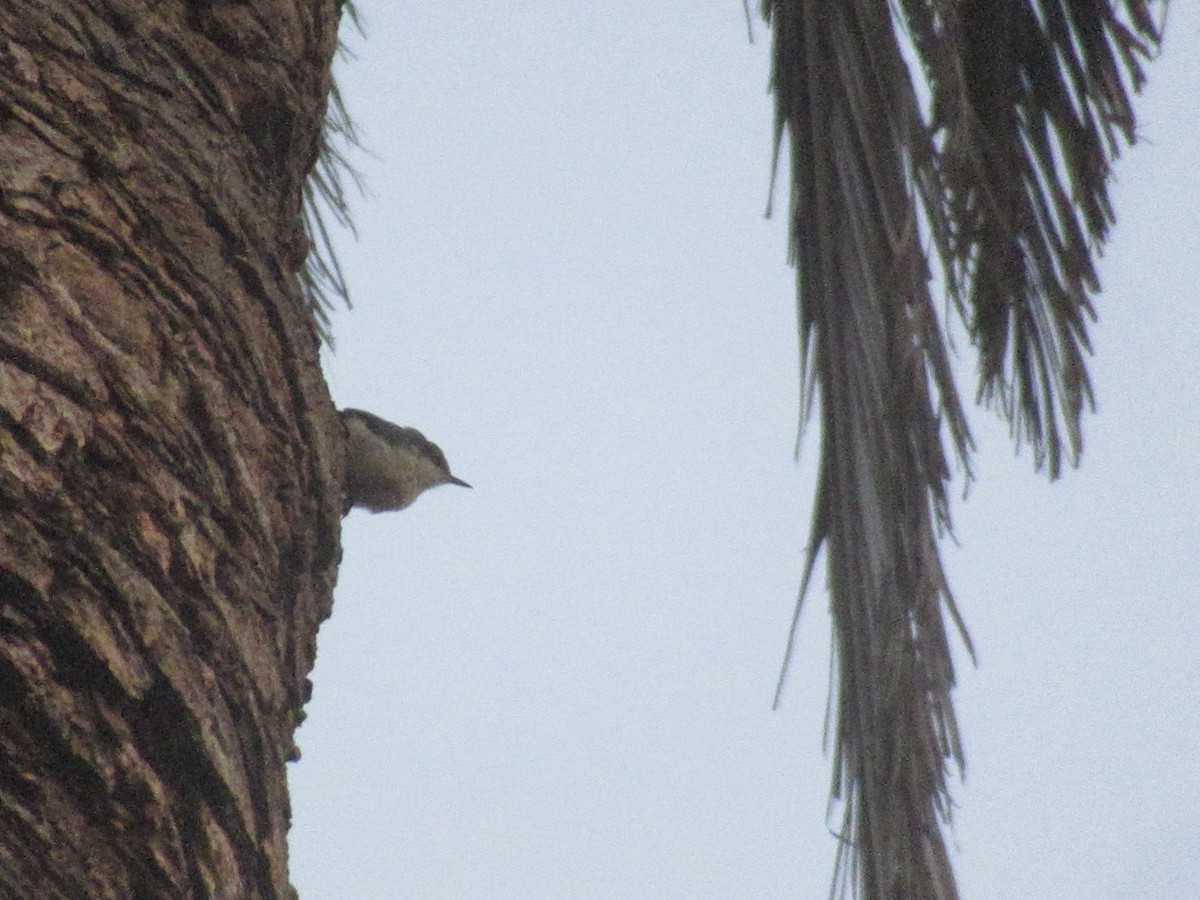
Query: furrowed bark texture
x=169, y=457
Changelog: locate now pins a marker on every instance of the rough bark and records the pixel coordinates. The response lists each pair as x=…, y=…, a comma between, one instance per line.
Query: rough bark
x=169, y=456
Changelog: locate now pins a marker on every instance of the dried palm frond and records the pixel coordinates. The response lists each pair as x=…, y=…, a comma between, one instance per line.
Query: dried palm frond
x=1028, y=98
x=1031, y=104
x=321, y=280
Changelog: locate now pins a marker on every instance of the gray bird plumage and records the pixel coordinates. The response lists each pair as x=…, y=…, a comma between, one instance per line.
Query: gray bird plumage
x=388, y=466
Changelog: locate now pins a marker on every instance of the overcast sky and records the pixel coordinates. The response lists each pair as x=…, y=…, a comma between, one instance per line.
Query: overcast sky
x=558, y=684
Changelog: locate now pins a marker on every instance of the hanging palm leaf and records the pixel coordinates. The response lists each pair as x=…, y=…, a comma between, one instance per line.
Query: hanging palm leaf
x=1005, y=176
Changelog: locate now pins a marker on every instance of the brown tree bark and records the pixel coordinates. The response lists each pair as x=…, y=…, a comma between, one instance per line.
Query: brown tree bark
x=170, y=460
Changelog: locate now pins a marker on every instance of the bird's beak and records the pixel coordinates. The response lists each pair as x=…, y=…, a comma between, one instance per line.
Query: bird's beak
x=458, y=481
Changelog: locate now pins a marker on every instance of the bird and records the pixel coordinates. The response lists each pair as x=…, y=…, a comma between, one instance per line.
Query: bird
x=388, y=466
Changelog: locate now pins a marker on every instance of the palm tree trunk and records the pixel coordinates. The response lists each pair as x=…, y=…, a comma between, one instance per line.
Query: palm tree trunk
x=169, y=456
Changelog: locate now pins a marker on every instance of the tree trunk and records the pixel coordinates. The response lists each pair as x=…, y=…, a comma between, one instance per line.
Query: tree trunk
x=170, y=460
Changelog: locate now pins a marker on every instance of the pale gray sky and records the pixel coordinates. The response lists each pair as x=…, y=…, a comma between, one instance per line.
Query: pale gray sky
x=558, y=685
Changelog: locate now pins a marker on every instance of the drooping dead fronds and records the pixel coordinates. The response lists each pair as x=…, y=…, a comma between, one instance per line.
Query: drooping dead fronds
x=1031, y=104
x=872, y=344
x=1007, y=181
x=321, y=279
